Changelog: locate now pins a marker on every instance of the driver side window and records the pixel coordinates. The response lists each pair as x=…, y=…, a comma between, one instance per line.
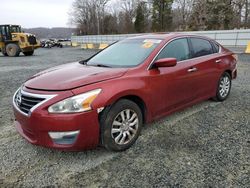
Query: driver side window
x=178, y=49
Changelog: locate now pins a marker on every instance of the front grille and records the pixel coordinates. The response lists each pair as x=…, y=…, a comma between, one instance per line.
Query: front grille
x=25, y=102
x=32, y=40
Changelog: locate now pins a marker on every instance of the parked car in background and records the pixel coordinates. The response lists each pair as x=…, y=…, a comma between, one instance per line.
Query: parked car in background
x=107, y=98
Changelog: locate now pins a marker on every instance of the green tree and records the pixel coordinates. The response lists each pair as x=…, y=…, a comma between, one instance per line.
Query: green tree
x=140, y=18
x=162, y=15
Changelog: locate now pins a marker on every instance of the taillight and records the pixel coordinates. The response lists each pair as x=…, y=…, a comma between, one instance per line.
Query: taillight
x=235, y=57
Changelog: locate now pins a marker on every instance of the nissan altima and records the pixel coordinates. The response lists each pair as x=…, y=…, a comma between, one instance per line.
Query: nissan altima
x=106, y=99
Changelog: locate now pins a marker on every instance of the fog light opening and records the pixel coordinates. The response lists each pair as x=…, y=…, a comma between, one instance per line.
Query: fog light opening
x=65, y=138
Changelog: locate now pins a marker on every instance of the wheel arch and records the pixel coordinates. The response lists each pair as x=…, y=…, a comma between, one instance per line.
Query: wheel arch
x=3, y=47
x=134, y=98
x=229, y=72
x=139, y=101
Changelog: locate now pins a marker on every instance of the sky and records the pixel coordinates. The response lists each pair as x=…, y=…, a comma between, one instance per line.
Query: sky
x=35, y=13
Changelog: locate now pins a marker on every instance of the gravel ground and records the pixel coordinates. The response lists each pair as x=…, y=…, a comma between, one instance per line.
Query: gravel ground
x=207, y=145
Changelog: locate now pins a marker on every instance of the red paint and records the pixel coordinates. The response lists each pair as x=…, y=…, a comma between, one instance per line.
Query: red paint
x=163, y=90
x=167, y=62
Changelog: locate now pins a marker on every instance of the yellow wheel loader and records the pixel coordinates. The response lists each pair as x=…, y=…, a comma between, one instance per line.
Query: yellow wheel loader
x=13, y=41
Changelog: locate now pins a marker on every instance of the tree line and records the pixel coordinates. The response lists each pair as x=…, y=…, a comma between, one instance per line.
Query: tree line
x=140, y=16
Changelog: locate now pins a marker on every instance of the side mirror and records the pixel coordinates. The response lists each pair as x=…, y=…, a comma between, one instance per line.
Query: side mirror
x=166, y=62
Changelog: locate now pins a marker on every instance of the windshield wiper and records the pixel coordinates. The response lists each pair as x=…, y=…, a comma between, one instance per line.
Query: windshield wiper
x=101, y=65
x=83, y=62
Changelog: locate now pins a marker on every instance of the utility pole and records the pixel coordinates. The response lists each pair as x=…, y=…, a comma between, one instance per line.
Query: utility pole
x=98, y=25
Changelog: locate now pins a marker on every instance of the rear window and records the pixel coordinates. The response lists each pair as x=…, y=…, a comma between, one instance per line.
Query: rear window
x=201, y=47
x=216, y=47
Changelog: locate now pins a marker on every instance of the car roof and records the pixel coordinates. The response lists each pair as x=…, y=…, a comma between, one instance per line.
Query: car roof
x=167, y=36
x=10, y=25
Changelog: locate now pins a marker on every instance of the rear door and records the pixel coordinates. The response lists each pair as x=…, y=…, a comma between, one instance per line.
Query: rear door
x=204, y=59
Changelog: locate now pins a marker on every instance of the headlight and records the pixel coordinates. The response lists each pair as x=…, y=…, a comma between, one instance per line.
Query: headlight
x=78, y=103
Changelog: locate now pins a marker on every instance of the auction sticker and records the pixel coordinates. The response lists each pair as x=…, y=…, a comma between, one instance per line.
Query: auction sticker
x=147, y=45
x=154, y=41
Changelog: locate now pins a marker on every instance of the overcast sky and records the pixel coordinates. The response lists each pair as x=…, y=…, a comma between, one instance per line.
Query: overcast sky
x=35, y=13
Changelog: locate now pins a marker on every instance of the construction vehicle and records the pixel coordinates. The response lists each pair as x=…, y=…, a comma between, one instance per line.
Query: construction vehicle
x=13, y=41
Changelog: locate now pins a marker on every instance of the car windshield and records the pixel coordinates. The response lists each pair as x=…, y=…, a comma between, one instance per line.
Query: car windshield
x=15, y=29
x=126, y=53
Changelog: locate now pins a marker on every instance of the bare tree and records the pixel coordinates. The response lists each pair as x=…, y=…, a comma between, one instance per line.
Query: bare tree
x=246, y=13
x=88, y=15
x=238, y=6
x=197, y=20
x=121, y=16
x=182, y=13
x=100, y=11
x=127, y=15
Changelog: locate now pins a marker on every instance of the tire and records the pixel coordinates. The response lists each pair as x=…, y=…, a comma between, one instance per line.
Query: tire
x=223, y=87
x=121, y=125
x=13, y=50
x=30, y=53
x=5, y=54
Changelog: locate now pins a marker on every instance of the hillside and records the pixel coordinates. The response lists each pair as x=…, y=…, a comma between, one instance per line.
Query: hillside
x=56, y=32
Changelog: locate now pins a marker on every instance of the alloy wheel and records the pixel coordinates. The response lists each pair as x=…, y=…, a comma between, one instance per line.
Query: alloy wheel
x=125, y=126
x=224, y=87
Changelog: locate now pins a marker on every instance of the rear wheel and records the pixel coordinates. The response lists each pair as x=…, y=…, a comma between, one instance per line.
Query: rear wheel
x=224, y=87
x=13, y=50
x=120, y=125
x=30, y=53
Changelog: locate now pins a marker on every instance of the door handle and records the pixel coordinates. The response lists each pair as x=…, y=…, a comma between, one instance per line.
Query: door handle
x=193, y=69
x=218, y=61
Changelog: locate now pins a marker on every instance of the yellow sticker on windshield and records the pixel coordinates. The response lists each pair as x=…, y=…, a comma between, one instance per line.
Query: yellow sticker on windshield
x=147, y=45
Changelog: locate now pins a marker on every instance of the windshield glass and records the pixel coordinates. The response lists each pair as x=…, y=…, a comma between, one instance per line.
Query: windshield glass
x=126, y=53
x=15, y=29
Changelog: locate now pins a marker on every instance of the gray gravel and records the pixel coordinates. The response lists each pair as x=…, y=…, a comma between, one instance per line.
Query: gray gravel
x=207, y=145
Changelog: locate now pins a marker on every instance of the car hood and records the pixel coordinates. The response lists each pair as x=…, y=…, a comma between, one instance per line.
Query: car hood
x=72, y=75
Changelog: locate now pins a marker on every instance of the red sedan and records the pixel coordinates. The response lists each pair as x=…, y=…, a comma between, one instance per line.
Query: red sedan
x=107, y=98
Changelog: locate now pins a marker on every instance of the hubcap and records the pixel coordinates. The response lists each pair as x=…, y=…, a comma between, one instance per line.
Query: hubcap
x=125, y=126
x=224, y=86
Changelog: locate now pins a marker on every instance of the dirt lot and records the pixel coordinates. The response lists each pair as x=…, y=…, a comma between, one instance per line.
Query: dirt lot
x=207, y=145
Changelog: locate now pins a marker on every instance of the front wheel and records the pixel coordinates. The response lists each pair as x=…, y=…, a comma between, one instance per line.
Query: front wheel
x=121, y=125
x=224, y=87
x=12, y=50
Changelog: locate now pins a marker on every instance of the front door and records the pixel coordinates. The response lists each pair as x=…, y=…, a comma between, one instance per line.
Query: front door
x=174, y=86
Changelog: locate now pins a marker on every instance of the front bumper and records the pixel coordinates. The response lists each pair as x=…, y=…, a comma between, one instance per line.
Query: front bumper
x=36, y=128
